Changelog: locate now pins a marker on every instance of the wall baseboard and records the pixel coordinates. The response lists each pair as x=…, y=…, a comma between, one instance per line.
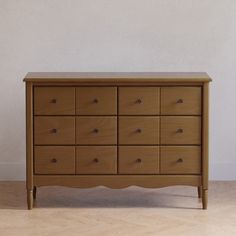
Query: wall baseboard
x=16, y=171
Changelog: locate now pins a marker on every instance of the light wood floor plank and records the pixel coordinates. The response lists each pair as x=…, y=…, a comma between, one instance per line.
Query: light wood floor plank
x=131, y=211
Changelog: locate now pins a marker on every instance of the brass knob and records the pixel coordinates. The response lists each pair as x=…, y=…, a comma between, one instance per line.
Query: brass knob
x=180, y=130
x=180, y=160
x=95, y=100
x=96, y=160
x=139, y=131
x=54, y=100
x=54, y=131
x=95, y=130
x=139, y=160
x=139, y=101
x=54, y=160
x=180, y=101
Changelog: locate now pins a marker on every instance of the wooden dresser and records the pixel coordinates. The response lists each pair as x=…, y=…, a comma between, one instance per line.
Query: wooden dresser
x=117, y=130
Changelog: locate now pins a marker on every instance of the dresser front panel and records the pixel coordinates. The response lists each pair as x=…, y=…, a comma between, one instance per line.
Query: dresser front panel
x=181, y=101
x=138, y=160
x=181, y=130
x=139, y=101
x=96, y=101
x=117, y=130
x=54, y=160
x=139, y=130
x=54, y=101
x=180, y=160
x=96, y=130
x=96, y=160
x=58, y=130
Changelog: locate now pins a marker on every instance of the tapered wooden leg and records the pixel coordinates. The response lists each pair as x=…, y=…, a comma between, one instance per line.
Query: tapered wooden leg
x=34, y=192
x=199, y=190
x=204, y=198
x=30, y=199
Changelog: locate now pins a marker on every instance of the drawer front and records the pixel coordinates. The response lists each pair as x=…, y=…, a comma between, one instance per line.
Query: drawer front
x=96, y=130
x=96, y=160
x=181, y=101
x=139, y=101
x=180, y=160
x=54, y=160
x=96, y=101
x=181, y=130
x=54, y=101
x=138, y=130
x=54, y=130
x=138, y=160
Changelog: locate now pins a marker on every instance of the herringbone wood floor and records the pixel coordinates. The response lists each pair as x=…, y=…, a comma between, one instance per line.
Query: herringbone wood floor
x=132, y=211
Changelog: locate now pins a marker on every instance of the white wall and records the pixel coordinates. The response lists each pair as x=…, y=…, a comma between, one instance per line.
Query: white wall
x=118, y=35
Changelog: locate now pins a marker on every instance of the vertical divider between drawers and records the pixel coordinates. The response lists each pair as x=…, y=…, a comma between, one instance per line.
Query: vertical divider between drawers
x=159, y=147
x=117, y=129
x=75, y=90
x=33, y=159
x=202, y=117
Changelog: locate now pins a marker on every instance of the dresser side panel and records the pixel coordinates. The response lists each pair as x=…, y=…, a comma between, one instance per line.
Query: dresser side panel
x=29, y=136
x=205, y=135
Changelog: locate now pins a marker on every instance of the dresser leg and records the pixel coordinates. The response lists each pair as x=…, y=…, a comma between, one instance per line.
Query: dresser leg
x=30, y=198
x=204, y=198
x=34, y=192
x=199, y=190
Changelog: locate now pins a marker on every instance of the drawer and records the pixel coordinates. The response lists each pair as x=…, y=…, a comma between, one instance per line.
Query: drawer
x=138, y=160
x=96, y=160
x=180, y=160
x=138, y=130
x=96, y=101
x=54, y=101
x=54, y=160
x=181, y=130
x=181, y=101
x=139, y=101
x=96, y=130
x=54, y=130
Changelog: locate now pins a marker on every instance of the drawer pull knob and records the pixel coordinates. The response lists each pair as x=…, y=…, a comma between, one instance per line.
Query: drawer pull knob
x=180, y=160
x=180, y=130
x=54, y=131
x=54, y=100
x=139, y=101
x=54, y=160
x=95, y=130
x=139, y=160
x=180, y=101
x=95, y=160
x=139, y=131
x=95, y=100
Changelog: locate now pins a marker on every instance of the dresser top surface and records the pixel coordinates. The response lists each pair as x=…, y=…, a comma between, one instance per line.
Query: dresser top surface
x=117, y=76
